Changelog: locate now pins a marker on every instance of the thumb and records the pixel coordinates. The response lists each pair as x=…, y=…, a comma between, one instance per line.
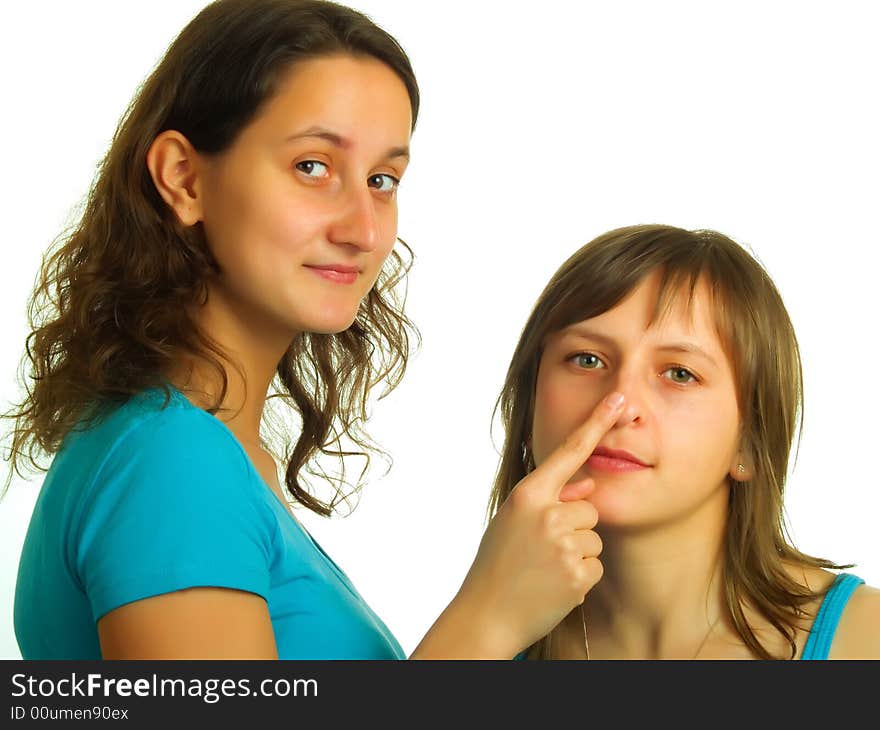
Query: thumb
x=577, y=490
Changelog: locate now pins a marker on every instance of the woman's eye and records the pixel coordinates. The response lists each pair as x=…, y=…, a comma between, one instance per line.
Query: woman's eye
x=587, y=361
x=383, y=183
x=681, y=375
x=312, y=168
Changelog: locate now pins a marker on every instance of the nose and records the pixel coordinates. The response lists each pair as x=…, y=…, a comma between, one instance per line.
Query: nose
x=636, y=393
x=356, y=223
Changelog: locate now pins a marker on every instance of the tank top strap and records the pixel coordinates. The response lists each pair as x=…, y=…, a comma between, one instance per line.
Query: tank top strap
x=825, y=624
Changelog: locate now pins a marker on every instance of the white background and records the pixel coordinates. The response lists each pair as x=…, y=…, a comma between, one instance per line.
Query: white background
x=541, y=127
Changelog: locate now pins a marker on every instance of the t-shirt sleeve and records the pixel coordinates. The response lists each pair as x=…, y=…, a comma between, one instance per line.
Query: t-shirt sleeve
x=175, y=505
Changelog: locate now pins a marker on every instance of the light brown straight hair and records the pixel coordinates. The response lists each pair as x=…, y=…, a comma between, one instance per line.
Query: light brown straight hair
x=758, y=338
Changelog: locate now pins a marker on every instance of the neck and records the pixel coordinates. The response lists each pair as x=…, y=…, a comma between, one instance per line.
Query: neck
x=252, y=352
x=661, y=593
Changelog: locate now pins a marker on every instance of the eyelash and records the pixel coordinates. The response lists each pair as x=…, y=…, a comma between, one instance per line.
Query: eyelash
x=694, y=377
x=395, y=181
x=302, y=163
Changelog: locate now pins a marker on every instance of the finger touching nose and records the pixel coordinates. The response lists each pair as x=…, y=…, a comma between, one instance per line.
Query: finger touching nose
x=633, y=410
x=634, y=406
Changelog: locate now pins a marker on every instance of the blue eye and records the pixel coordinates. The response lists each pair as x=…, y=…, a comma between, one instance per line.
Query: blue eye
x=681, y=376
x=312, y=168
x=384, y=183
x=587, y=361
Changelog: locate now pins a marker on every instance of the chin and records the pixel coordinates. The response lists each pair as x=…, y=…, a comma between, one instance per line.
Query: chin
x=329, y=323
x=617, y=509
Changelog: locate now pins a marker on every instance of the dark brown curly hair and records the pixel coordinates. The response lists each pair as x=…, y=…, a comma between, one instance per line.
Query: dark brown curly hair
x=112, y=307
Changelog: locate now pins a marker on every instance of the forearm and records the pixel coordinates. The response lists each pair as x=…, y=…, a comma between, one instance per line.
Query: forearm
x=467, y=629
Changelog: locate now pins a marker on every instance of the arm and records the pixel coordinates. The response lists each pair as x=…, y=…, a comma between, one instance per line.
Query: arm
x=195, y=623
x=465, y=630
x=173, y=547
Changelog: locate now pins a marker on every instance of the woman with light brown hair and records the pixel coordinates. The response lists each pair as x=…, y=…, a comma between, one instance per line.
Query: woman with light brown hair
x=689, y=482
x=237, y=248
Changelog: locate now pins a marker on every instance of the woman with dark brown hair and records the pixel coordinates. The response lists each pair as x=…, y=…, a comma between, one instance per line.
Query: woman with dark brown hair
x=237, y=248
x=689, y=481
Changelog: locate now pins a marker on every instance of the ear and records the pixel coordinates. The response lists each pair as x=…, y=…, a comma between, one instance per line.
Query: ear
x=741, y=468
x=174, y=164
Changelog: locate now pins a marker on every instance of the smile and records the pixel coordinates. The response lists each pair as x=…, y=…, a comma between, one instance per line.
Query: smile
x=336, y=274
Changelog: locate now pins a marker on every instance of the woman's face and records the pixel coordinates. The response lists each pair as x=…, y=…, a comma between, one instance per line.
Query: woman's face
x=301, y=211
x=680, y=425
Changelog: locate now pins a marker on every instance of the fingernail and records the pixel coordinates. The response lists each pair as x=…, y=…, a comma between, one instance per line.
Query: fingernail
x=614, y=401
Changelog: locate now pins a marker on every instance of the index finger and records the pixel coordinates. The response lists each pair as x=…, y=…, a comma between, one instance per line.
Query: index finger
x=571, y=454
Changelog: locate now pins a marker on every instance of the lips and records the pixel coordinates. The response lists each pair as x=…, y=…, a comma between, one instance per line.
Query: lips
x=615, y=461
x=618, y=454
x=336, y=273
x=338, y=268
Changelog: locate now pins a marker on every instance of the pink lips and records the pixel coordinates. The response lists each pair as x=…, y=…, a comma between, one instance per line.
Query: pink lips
x=337, y=273
x=615, y=461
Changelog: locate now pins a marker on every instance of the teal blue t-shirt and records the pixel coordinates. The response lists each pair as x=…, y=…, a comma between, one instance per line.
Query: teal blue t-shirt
x=157, y=498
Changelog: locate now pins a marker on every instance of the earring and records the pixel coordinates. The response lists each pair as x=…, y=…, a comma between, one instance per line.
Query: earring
x=741, y=469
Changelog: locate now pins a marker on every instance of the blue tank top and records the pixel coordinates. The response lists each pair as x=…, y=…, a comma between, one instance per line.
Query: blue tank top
x=825, y=624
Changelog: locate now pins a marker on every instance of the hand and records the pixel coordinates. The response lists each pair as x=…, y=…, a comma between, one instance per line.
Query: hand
x=539, y=556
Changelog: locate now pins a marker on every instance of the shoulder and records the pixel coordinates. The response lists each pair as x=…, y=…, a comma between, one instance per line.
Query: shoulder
x=148, y=445
x=858, y=634
x=173, y=504
x=165, y=463
x=817, y=580
x=146, y=420
x=172, y=439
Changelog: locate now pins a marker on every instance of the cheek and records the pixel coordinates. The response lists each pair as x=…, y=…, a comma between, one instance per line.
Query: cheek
x=289, y=230
x=701, y=436
x=278, y=222
x=387, y=219
x=255, y=218
x=560, y=407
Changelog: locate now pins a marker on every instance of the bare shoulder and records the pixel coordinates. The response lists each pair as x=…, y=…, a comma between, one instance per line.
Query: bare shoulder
x=858, y=634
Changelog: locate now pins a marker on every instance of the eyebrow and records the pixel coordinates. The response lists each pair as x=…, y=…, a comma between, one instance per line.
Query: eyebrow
x=339, y=141
x=685, y=347
x=690, y=349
